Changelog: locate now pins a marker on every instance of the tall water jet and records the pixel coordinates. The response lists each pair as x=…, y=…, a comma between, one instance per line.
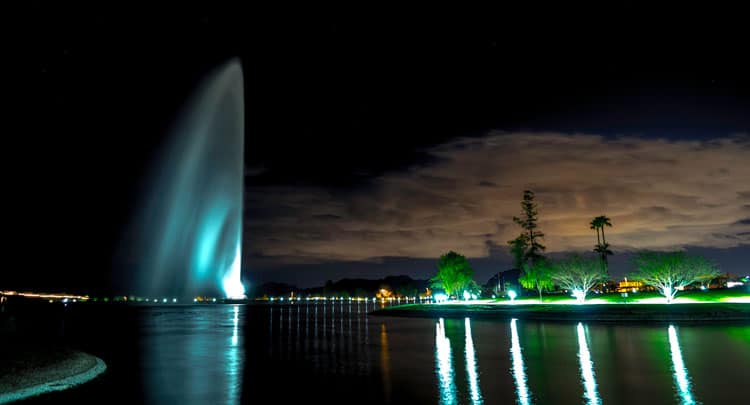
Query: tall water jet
x=189, y=234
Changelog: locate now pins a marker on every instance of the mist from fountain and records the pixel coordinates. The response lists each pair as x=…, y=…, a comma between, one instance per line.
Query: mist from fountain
x=189, y=233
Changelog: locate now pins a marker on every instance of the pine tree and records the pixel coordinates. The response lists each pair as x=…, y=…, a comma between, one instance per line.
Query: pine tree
x=531, y=236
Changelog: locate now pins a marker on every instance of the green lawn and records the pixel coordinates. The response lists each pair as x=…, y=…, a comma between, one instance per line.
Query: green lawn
x=715, y=295
x=697, y=306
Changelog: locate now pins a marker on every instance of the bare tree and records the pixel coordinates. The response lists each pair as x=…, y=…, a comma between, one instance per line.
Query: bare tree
x=578, y=274
x=670, y=272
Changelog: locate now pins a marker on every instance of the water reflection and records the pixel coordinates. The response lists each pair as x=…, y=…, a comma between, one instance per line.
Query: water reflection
x=196, y=355
x=519, y=371
x=444, y=365
x=199, y=354
x=234, y=362
x=471, y=365
x=236, y=321
x=385, y=363
x=587, y=368
x=681, y=377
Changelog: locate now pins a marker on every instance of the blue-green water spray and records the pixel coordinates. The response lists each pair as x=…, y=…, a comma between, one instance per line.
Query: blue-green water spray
x=190, y=233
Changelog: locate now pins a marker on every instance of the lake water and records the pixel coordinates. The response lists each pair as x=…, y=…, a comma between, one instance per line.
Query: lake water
x=335, y=353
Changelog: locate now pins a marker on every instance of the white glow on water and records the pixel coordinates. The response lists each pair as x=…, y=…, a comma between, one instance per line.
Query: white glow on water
x=232, y=282
x=681, y=377
x=471, y=365
x=444, y=364
x=587, y=368
x=236, y=321
x=234, y=360
x=519, y=372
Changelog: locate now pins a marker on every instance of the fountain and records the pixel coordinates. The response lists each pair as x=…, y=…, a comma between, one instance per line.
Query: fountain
x=189, y=233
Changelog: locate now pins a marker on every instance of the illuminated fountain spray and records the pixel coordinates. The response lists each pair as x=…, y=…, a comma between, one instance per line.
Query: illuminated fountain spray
x=190, y=232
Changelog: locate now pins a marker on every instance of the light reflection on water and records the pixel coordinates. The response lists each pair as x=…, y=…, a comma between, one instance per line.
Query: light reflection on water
x=235, y=362
x=681, y=378
x=193, y=352
x=519, y=371
x=206, y=354
x=385, y=363
x=471, y=365
x=444, y=365
x=587, y=368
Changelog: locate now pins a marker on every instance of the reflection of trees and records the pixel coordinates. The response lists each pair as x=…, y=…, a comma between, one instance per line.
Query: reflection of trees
x=472, y=373
x=519, y=371
x=590, y=393
x=681, y=377
x=444, y=365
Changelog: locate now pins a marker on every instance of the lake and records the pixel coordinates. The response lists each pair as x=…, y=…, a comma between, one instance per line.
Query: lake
x=334, y=353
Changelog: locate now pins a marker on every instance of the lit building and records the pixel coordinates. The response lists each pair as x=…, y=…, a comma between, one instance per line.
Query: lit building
x=632, y=286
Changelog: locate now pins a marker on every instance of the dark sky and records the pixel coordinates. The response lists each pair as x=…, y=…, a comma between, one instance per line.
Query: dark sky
x=378, y=138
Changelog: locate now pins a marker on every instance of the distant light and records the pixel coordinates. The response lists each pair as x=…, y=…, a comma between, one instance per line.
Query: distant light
x=213, y=299
x=731, y=284
x=473, y=296
x=174, y=299
x=164, y=300
x=466, y=295
x=281, y=299
x=195, y=299
x=512, y=295
x=65, y=300
x=703, y=287
x=439, y=297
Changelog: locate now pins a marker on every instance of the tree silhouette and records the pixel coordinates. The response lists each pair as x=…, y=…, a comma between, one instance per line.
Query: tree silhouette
x=602, y=247
x=530, y=237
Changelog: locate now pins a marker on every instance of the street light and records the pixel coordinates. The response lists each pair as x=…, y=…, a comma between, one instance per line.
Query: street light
x=512, y=295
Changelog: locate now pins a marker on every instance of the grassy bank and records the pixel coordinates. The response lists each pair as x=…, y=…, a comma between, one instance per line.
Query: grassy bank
x=695, y=312
x=734, y=295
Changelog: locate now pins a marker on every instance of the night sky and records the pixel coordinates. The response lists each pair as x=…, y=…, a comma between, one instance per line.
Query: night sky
x=377, y=140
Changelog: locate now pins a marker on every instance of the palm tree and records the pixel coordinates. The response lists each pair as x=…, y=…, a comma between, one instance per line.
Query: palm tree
x=604, y=221
x=595, y=225
x=602, y=247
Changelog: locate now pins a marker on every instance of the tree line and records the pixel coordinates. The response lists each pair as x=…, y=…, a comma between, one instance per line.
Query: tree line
x=667, y=272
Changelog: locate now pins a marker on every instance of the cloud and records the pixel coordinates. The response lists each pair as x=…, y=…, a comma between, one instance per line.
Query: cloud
x=659, y=194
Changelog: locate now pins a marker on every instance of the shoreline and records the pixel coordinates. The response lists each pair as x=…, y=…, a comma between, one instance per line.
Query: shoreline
x=623, y=313
x=52, y=377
